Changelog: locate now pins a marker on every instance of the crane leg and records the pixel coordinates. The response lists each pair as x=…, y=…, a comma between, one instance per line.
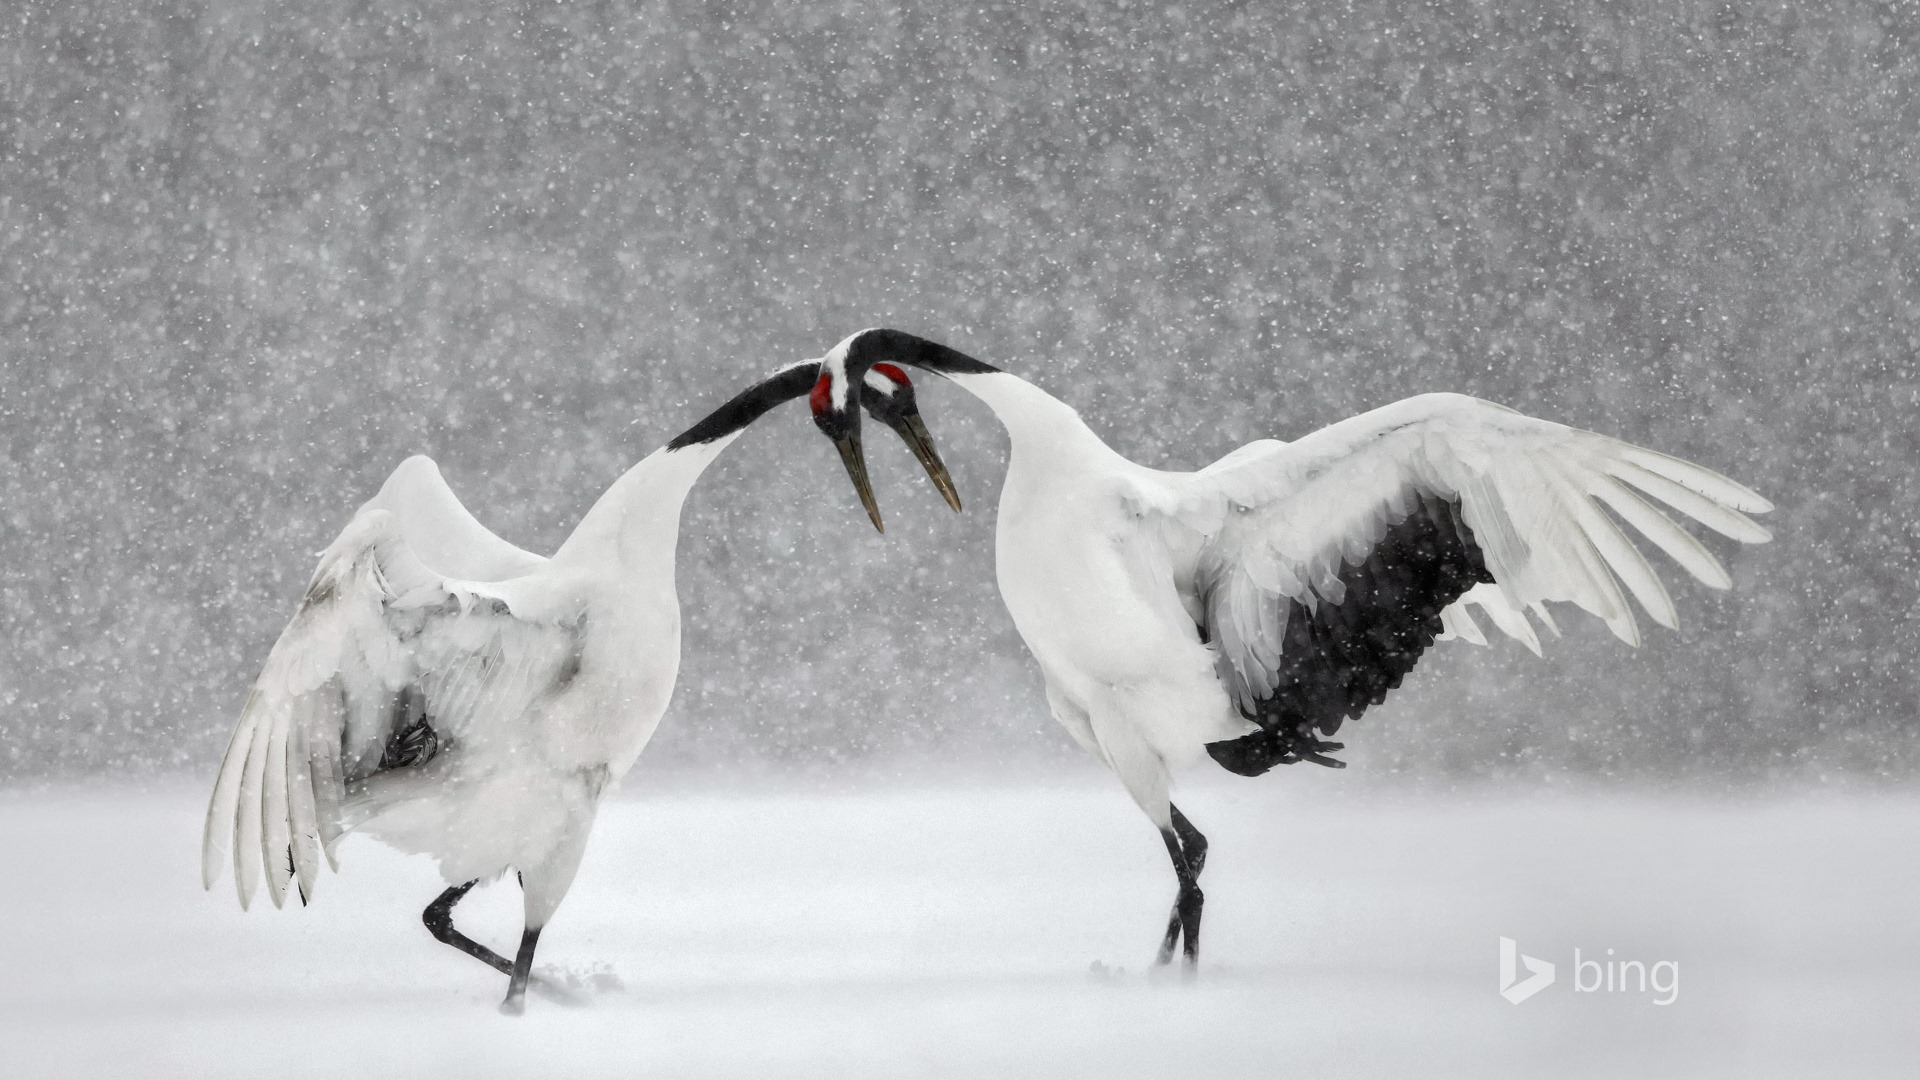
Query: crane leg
x=516, y=1002
x=1188, y=850
x=439, y=920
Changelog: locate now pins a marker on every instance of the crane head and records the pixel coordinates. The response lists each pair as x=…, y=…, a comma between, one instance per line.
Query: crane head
x=837, y=391
x=887, y=395
x=871, y=363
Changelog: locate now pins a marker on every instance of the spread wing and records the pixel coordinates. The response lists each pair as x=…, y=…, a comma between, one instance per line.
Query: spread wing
x=386, y=662
x=1322, y=568
x=440, y=529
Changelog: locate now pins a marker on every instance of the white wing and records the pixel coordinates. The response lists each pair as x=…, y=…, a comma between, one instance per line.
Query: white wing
x=440, y=529
x=1286, y=527
x=379, y=640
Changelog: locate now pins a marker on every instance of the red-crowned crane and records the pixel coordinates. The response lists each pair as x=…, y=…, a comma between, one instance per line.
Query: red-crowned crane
x=1248, y=609
x=454, y=695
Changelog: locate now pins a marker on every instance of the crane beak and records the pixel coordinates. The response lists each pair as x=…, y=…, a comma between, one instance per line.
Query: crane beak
x=918, y=439
x=856, y=463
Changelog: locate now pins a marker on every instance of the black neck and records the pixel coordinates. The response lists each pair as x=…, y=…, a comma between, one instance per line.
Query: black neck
x=900, y=347
x=749, y=405
x=870, y=348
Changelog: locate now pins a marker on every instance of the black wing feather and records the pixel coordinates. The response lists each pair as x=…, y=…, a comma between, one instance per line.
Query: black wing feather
x=1338, y=659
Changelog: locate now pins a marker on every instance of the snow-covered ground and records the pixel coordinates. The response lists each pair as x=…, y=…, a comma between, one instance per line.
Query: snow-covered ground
x=997, y=929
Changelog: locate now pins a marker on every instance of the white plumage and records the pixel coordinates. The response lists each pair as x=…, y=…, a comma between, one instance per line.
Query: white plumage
x=454, y=695
x=543, y=680
x=1277, y=519
x=1248, y=608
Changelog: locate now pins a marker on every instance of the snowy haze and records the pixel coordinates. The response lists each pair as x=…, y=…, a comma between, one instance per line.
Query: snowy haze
x=251, y=256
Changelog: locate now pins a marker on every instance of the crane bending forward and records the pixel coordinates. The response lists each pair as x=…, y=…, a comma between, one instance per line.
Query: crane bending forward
x=454, y=695
x=1250, y=608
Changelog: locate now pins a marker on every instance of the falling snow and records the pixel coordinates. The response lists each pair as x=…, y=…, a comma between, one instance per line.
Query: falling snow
x=252, y=256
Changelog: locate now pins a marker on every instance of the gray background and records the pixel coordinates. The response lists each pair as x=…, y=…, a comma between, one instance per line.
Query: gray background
x=253, y=255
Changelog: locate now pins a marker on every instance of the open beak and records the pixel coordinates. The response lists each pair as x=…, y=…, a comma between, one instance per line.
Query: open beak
x=856, y=463
x=920, y=441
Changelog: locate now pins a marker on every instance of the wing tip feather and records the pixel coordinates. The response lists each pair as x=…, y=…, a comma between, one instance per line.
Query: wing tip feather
x=1704, y=481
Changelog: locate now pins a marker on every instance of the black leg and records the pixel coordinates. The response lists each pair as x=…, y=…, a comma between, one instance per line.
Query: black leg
x=439, y=920
x=1191, y=842
x=516, y=1002
x=1172, y=939
x=1188, y=850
